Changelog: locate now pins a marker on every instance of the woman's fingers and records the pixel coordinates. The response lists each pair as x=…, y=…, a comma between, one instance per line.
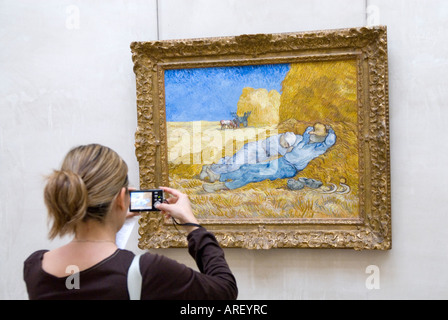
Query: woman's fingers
x=172, y=191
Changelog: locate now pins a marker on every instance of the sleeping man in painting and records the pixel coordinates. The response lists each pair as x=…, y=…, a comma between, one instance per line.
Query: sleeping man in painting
x=315, y=142
x=251, y=153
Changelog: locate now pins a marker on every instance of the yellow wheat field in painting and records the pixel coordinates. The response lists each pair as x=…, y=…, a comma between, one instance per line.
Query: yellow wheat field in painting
x=263, y=199
x=324, y=92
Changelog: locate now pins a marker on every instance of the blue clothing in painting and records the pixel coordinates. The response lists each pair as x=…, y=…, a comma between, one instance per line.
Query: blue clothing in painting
x=254, y=152
x=285, y=167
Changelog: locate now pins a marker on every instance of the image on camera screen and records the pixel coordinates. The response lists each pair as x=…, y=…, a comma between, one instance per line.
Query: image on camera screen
x=141, y=201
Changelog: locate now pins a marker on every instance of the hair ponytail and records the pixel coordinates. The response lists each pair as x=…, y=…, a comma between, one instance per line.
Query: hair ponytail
x=66, y=199
x=90, y=178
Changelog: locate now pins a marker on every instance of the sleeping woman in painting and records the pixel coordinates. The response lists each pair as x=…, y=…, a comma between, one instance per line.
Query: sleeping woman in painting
x=315, y=142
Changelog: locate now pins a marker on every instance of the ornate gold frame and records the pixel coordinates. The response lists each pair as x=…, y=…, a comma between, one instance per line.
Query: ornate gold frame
x=372, y=230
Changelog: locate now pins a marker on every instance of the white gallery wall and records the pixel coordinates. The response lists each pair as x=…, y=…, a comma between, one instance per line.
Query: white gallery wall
x=66, y=79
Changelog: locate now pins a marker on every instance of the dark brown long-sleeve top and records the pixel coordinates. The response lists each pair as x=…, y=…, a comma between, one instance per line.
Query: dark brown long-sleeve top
x=162, y=278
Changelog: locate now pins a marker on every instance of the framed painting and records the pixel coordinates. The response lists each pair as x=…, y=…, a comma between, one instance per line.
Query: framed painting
x=279, y=140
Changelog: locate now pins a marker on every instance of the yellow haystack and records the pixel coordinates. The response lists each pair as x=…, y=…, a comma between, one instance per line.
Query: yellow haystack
x=264, y=106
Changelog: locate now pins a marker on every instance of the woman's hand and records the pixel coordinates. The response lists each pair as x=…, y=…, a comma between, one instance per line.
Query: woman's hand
x=178, y=206
x=131, y=214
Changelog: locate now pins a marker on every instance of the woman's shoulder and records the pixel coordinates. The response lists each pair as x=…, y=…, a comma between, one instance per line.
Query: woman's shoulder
x=146, y=258
x=36, y=256
x=33, y=264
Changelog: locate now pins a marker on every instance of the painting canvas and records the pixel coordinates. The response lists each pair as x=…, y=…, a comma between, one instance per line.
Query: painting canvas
x=273, y=141
x=279, y=140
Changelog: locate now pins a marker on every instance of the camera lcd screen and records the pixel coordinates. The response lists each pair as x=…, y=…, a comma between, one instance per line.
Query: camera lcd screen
x=144, y=200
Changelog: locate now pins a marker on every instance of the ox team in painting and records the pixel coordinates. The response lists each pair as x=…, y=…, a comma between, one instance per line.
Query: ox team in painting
x=289, y=150
x=236, y=122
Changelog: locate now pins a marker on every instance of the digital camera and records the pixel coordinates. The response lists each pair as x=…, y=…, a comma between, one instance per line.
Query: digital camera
x=145, y=200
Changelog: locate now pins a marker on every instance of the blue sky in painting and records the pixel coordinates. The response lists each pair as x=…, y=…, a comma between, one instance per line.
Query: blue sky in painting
x=211, y=94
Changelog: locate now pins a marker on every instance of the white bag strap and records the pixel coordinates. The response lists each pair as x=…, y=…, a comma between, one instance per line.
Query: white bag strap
x=135, y=279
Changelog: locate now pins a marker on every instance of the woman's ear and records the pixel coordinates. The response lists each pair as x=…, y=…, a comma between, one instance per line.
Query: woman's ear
x=120, y=201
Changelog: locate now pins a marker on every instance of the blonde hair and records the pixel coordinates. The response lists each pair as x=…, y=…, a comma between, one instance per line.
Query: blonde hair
x=88, y=182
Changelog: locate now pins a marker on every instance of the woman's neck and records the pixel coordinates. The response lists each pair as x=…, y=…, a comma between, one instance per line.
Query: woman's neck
x=95, y=231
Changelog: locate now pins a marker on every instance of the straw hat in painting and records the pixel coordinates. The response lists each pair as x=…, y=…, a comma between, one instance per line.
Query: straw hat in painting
x=319, y=132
